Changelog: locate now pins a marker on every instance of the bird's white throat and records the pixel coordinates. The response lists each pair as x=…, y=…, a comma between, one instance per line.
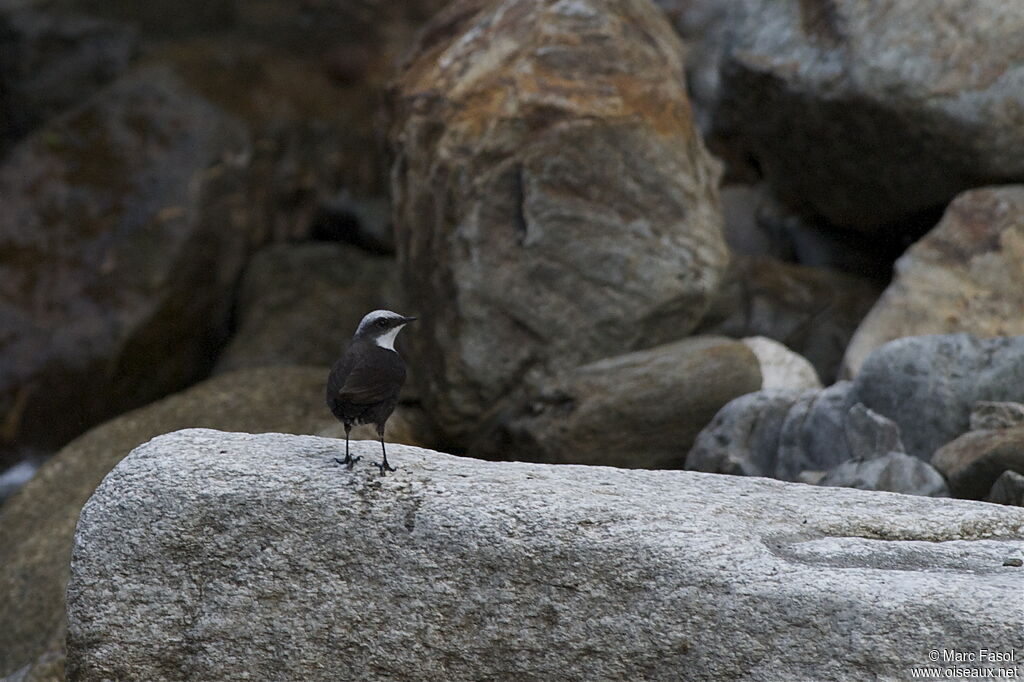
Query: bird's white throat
x=387, y=340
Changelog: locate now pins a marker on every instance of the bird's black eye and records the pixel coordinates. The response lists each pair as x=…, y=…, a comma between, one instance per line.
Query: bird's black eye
x=382, y=323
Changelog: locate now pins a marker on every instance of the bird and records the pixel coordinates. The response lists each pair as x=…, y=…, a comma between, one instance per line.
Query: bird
x=363, y=385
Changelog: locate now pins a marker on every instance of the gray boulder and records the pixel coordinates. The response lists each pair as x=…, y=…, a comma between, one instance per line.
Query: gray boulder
x=124, y=227
x=553, y=203
x=813, y=435
x=217, y=556
x=974, y=461
x=928, y=385
x=1008, y=489
x=895, y=472
x=871, y=114
x=641, y=409
x=963, y=276
x=743, y=438
x=869, y=434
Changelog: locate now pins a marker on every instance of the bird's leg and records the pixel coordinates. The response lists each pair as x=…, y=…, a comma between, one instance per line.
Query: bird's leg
x=383, y=466
x=349, y=460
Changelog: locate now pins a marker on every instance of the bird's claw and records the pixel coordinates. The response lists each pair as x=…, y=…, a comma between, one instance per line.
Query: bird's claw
x=384, y=467
x=349, y=460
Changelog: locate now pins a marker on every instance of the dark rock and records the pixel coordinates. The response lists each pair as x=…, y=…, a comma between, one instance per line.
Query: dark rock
x=125, y=225
x=1008, y=489
x=300, y=304
x=220, y=556
x=870, y=435
x=928, y=385
x=895, y=472
x=756, y=224
x=994, y=415
x=963, y=276
x=37, y=523
x=974, y=461
x=871, y=114
x=743, y=438
x=642, y=409
x=554, y=204
x=51, y=62
x=813, y=435
x=313, y=139
x=813, y=311
x=160, y=19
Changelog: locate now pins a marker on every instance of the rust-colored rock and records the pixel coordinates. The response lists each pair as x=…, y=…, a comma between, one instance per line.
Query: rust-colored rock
x=553, y=202
x=964, y=276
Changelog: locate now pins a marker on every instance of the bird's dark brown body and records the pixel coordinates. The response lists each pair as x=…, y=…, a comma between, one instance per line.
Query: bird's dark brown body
x=364, y=384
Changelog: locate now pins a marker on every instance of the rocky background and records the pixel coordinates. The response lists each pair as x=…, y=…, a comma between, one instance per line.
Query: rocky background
x=760, y=237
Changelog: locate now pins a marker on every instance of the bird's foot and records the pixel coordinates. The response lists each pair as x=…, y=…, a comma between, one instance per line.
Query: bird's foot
x=384, y=467
x=349, y=460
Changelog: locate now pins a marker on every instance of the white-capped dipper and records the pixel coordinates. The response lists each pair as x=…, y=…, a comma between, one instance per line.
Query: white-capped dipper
x=363, y=385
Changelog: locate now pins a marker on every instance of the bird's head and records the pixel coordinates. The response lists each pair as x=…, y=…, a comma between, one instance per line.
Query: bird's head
x=381, y=327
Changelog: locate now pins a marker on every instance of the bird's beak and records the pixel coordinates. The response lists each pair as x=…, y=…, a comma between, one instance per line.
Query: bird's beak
x=407, y=320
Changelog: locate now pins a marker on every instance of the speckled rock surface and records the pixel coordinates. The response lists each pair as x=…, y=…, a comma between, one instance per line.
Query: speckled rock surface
x=37, y=522
x=215, y=556
x=553, y=203
x=929, y=384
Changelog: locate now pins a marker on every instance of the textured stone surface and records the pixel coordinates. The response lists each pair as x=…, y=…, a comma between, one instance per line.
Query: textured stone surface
x=812, y=311
x=743, y=438
x=37, y=523
x=895, y=472
x=928, y=385
x=869, y=434
x=974, y=461
x=963, y=276
x=872, y=113
x=989, y=414
x=300, y=304
x=219, y=556
x=553, y=202
x=781, y=367
x=1008, y=489
x=813, y=435
x=124, y=227
x=641, y=409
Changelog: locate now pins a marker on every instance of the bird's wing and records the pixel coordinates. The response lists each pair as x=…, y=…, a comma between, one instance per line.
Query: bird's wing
x=374, y=381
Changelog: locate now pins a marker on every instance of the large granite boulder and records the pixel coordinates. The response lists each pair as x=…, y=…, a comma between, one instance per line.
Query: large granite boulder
x=812, y=311
x=37, y=523
x=125, y=224
x=299, y=304
x=641, y=409
x=553, y=203
x=873, y=115
x=217, y=556
x=963, y=276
